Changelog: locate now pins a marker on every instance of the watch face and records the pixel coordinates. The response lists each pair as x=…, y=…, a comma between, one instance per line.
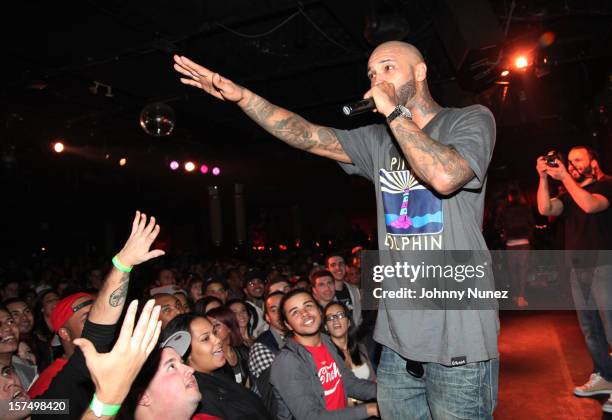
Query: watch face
x=405, y=112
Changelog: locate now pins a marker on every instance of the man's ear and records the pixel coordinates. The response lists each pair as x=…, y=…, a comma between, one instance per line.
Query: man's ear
x=288, y=326
x=420, y=72
x=64, y=334
x=144, y=399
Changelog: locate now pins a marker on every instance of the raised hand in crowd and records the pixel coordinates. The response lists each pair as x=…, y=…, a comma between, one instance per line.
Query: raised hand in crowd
x=137, y=249
x=113, y=373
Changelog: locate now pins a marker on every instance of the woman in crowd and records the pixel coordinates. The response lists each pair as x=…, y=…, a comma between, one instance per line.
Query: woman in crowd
x=339, y=326
x=207, y=303
x=236, y=353
x=221, y=396
x=244, y=316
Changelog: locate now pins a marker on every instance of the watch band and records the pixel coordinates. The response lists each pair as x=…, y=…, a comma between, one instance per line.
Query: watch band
x=399, y=110
x=100, y=409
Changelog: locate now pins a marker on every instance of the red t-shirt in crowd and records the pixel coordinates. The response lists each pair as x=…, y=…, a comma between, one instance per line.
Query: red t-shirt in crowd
x=330, y=377
x=201, y=416
x=45, y=378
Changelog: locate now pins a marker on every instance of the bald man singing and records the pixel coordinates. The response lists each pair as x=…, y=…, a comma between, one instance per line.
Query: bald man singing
x=428, y=165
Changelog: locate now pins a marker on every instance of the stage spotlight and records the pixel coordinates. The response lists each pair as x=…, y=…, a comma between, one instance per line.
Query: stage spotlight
x=204, y=169
x=58, y=147
x=122, y=162
x=505, y=73
x=189, y=166
x=216, y=171
x=521, y=62
x=174, y=165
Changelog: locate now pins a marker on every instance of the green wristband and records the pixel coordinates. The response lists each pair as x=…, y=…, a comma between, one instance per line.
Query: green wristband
x=100, y=409
x=120, y=266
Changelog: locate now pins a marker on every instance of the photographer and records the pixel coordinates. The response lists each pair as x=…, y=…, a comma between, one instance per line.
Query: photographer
x=586, y=211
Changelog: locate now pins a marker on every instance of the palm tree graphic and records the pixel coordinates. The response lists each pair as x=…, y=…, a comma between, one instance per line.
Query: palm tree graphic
x=399, y=182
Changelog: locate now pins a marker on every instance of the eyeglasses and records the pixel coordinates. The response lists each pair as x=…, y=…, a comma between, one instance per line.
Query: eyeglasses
x=338, y=316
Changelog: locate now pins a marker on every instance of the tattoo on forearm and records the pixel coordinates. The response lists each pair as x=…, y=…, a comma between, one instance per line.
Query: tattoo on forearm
x=291, y=128
x=118, y=296
x=429, y=159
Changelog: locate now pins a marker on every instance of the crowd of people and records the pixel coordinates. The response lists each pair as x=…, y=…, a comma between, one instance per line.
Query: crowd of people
x=244, y=337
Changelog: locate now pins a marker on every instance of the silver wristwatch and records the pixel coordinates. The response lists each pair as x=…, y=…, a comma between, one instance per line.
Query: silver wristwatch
x=399, y=110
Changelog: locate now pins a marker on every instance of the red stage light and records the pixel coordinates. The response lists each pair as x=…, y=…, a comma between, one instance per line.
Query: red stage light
x=58, y=147
x=521, y=62
x=204, y=169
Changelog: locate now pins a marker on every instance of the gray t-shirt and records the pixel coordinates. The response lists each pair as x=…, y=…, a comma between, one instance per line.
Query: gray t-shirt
x=413, y=218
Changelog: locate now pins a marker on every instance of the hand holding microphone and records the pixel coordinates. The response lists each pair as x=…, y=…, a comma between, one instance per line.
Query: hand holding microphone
x=380, y=98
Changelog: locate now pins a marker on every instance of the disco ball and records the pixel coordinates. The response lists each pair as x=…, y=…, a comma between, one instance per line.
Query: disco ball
x=157, y=119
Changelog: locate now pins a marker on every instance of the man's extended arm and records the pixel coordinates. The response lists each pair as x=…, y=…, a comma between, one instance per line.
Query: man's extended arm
x=281, y=123
x=109, y=304
x=440, y=166
x=291, y=128
x=588, y=202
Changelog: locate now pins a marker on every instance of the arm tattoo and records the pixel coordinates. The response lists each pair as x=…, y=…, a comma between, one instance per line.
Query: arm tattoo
x=118, y=296
x=430, y=159
x=293, y=129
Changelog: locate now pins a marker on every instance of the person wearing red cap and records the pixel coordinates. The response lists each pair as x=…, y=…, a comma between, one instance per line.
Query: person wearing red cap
x=67, y=321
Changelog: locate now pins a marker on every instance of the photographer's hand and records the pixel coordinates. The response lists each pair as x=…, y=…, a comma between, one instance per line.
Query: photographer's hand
x=559, y=173
x=546, y=205
x=542, y=167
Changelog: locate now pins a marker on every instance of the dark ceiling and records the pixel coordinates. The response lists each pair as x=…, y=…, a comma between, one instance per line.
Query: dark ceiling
x=309, y=56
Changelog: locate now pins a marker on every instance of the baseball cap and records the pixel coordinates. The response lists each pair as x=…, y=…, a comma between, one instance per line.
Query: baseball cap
x=64, y=309
x=179, y=341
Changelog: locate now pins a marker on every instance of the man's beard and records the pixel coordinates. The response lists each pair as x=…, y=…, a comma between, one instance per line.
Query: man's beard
x=586, y=173
x=406, y=92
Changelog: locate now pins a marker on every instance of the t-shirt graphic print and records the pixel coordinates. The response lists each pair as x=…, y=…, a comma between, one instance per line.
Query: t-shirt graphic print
x=410, y=208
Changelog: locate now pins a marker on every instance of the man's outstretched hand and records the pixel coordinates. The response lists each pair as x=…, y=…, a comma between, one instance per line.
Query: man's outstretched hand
x=210, y=82
x=136, y=249
x=113, y=372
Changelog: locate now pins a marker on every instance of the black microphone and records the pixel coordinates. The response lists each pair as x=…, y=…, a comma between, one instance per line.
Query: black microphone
x=358, y=107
